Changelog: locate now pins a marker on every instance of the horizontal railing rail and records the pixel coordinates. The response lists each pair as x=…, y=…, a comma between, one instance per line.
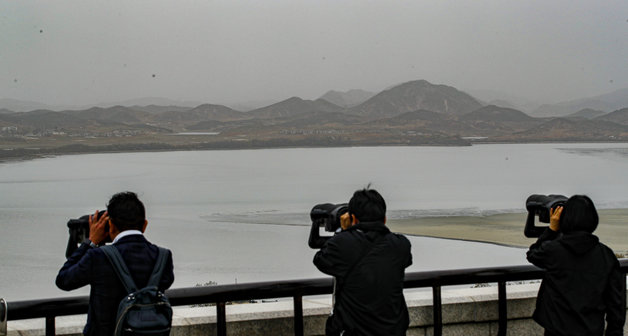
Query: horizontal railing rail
x=221, y=295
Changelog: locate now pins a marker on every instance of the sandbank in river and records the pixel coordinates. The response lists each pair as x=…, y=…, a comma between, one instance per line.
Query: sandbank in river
x=507, y=229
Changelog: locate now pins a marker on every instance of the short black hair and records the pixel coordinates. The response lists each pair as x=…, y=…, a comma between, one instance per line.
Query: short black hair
x=579, y=214
x=367, y=205
x=126, y=211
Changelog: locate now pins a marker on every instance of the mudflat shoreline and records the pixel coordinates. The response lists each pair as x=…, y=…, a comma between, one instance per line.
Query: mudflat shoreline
x=507, y=229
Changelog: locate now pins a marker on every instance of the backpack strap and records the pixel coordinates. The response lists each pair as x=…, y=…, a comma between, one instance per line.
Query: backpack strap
x=119, y=266
x=160, y=265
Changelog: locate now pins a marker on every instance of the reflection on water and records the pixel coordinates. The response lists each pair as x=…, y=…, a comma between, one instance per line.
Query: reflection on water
x=605, y=152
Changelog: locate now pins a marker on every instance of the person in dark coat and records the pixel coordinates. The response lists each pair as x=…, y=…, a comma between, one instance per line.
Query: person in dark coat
x=368, y=263
x=88, y=265
x=582, y=285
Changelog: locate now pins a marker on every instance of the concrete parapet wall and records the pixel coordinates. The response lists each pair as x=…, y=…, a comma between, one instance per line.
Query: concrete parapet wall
x=466, y=311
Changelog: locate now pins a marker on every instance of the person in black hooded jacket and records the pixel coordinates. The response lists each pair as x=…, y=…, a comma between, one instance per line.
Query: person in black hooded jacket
x=582, y=284
x=368, y=263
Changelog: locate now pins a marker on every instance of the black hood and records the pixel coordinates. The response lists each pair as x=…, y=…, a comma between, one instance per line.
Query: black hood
x=579, y=242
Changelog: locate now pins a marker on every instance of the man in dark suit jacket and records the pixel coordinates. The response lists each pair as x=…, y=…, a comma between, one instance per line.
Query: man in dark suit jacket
x=88, y=265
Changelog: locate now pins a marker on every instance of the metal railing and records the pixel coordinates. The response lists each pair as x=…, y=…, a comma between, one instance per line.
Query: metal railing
x=297, y=289
x=3, y=317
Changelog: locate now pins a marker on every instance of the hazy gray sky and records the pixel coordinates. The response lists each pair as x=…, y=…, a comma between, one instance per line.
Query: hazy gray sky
x=83, y=52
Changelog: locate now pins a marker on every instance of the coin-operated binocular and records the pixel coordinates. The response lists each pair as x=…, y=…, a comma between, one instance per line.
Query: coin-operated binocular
x=540, y=205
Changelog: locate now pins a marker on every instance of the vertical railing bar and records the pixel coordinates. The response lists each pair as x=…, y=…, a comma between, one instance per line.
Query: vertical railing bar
x=438, y=310
x=624, y=291
x=298, y=314
x=3, y=317
x=221, y=319
x=503, y=309
x=50, y=326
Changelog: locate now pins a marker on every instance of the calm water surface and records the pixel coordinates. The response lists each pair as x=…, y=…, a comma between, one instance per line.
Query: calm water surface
x=241, y=216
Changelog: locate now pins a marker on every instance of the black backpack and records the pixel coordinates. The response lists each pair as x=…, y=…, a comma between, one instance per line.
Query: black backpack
x=146, y=311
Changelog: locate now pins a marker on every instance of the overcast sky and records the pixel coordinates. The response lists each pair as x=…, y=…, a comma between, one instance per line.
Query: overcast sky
x=87, y=52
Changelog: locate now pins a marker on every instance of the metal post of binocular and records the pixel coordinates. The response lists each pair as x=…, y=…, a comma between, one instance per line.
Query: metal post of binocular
x=3, y=317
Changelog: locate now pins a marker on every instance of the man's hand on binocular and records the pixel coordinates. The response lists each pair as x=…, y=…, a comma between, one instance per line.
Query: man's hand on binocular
x=555, y=218
x=346, y=221
x=97, y=232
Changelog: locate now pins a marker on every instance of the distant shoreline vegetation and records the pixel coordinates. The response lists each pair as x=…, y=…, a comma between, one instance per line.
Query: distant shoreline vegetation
x=20, y=154
x=197, y=133
x=16, y=154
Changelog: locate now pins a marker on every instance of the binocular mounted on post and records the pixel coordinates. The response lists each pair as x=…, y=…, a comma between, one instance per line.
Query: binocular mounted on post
x=540, y=205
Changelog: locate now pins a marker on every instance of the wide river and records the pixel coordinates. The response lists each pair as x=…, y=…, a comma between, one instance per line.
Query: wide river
x=243, y=216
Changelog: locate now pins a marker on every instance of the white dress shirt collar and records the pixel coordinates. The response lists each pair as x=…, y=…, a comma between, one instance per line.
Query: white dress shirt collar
x=126, y=233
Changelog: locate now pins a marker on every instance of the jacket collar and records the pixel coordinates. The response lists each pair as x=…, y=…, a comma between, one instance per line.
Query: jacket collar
x=378, y=226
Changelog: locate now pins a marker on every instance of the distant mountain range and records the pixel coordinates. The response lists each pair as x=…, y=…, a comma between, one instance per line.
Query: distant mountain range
x=493, y=97
x=586, y=113
x=25, y=106
x=352, y=98
x=15, y=105
x=347, y=99
x=294, y=106
x=606, y=103
x=417, y=95
x=412, y=113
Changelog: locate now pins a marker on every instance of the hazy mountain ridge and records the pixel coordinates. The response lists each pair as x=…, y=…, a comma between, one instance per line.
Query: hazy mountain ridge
x=416, y=95
x=606, y=102
x=294, y=106
x=609, y=101
x=160, y=108
x=411, y=113
x=496, y=113
x=619, y=116
x=16, y=105
x=119, y=114
x=348, y=98
x=503, y=99
x=586, y=113
x=201, y=113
